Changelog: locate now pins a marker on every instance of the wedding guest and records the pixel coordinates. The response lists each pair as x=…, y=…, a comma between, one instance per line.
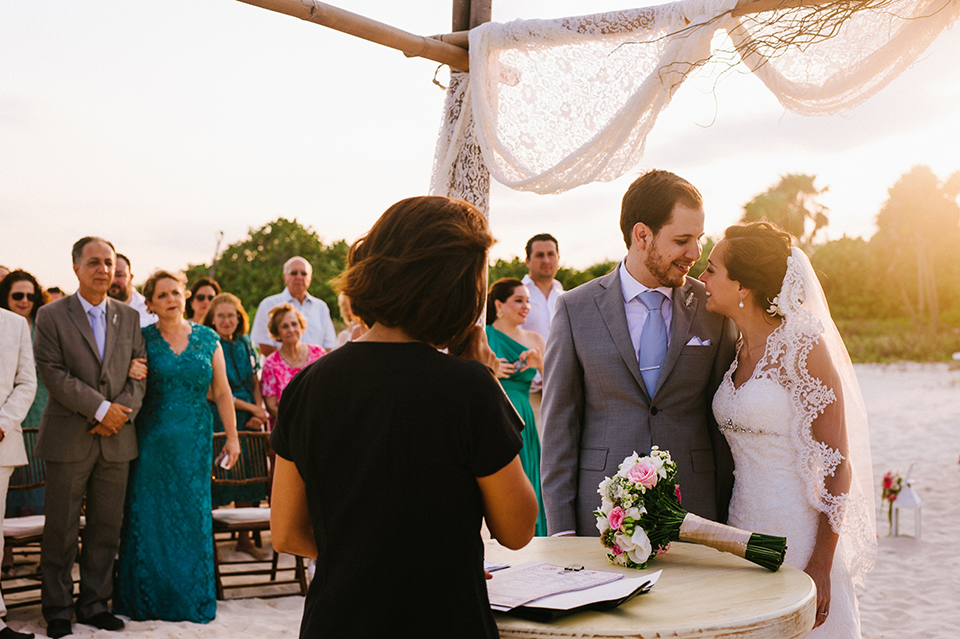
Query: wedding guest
x=18, y=381
x=21, y=293
x=201, y=294
x=521, y=356
x=286, y=326
x=165, y=565
x=4, y=271
x=355, y=326
x=297, y=275
x=543, y=263
x=227, y=317
x=389, y=429
x=85, y=346
x=124, y=291
x=54, y=293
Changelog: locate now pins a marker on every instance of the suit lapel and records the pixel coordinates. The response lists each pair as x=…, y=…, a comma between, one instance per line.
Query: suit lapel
x=79, y=318
x=610, y=303
x=679, y=329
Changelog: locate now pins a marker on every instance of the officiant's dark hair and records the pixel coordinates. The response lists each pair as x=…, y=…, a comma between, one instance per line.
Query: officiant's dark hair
x=421, y=268
x=500, y=291
x=651, y=198
x=755, y=255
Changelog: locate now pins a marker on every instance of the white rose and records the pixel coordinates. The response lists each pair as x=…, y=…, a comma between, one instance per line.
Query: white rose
x=626, y=545
x=627, y=464
x=640, y=546
x=634, y=513
x=603, y=524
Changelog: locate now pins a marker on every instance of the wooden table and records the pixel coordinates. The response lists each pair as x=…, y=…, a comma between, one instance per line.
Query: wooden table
x=701, y=593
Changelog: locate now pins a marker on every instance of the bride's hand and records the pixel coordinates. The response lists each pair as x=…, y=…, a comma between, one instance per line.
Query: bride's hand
x=821, y=578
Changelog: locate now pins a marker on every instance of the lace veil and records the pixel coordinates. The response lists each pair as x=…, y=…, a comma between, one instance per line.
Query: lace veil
x=807, y=323
x=549, y=105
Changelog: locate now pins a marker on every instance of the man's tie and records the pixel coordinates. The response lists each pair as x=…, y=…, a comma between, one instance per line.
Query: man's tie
x=99, y=330
x=653, y=340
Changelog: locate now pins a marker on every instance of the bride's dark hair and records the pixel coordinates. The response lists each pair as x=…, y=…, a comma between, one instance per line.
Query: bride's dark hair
x=755, y=256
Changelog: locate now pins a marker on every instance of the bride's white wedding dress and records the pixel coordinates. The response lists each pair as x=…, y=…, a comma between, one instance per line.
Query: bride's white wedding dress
x=770, y=495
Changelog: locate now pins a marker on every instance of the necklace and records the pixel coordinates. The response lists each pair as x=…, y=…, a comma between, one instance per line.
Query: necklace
x=303, y=352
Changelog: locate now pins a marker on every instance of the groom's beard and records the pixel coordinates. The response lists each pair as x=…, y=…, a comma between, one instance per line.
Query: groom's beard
x=662, y=269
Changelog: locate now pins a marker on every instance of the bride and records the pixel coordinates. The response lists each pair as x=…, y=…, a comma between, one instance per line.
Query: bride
x=791, y=409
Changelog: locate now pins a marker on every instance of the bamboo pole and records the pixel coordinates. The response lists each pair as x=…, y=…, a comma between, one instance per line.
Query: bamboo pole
x=356, y=25
x=744, y=7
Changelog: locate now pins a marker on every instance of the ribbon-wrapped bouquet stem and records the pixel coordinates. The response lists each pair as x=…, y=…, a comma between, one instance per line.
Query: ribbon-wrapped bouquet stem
x=640, y=514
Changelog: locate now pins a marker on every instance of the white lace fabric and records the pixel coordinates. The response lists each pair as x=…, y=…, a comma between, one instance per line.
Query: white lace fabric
x=826, y=424
x=559, y=103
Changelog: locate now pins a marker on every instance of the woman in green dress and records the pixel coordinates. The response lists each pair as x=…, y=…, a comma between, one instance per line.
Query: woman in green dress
x=227, y=317
x=521, y=356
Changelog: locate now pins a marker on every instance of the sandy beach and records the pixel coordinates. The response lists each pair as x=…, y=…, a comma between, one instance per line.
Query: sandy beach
x=914, y=414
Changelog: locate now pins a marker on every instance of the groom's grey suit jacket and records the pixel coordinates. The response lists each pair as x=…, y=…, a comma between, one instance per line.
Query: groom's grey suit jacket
x=596, y=409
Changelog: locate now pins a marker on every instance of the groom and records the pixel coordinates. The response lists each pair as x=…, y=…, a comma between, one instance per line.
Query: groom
x=633, y=361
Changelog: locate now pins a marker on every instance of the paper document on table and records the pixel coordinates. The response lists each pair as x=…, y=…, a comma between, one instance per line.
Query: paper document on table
x=533, y=580
x=612, y=591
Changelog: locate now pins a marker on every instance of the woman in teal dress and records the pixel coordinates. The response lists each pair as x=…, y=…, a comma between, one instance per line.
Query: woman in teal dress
x=165, y=566
x=521, y=356
x=227, y=317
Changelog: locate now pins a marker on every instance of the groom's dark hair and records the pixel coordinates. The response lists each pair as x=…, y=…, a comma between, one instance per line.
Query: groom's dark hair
x=651, y=198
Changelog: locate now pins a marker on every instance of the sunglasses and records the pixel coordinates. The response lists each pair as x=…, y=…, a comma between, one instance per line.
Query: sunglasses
x=19, y=295
x=303, y=273
x=203, y=298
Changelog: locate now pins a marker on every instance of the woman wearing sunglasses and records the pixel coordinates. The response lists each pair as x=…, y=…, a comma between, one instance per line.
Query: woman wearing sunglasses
x=201, y=294
x=20, y=293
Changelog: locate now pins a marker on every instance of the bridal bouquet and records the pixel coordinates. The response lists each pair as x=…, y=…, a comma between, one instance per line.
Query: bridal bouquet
x=640, y=514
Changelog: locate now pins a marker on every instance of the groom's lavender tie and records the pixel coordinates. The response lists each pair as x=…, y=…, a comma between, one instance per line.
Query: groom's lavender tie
x=653, y=340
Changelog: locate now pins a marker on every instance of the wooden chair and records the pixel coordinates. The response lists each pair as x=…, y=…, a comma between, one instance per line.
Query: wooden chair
x=254, y=466
x=22, y=535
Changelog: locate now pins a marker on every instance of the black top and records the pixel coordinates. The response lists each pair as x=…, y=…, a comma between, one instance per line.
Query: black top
x=389, y=439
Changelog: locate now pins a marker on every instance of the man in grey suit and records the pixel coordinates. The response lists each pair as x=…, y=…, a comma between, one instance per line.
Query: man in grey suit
x=84, y=345
x=633, y=361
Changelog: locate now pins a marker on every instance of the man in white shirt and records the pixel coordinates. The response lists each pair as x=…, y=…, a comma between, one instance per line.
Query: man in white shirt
x=18, y=384
x=543, y=262
x=122, y=290
x=297, y=275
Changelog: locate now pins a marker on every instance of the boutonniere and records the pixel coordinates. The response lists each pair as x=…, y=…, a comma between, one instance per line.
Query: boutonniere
x=689, y=299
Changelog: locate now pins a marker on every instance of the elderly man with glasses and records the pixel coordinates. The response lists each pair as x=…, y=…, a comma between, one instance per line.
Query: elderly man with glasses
x=297, y=274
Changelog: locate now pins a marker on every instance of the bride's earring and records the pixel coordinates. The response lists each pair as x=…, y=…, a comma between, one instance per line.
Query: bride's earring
x=741, y=302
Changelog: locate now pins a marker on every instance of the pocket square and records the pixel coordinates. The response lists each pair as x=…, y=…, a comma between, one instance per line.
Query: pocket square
x=696, y=341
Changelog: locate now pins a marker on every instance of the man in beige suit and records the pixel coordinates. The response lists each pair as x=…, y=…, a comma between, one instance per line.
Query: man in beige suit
x=633, y=361
x=84, y=345
x=18, y=383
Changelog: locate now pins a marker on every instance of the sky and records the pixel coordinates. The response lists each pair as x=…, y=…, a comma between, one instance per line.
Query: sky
x=162, y=125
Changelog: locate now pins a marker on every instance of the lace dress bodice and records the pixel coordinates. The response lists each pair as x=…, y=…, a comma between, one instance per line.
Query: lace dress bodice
x=767, y=494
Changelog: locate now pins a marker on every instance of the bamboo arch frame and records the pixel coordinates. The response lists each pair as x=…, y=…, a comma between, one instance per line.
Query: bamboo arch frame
x=450, y=48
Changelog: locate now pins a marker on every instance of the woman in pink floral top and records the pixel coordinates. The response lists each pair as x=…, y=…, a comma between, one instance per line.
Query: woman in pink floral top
x=286, y=326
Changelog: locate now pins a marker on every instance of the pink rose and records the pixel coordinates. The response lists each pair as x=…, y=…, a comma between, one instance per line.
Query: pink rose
x=644, y=474
x=676, y=491
x=616, y=550
x=616, y=517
